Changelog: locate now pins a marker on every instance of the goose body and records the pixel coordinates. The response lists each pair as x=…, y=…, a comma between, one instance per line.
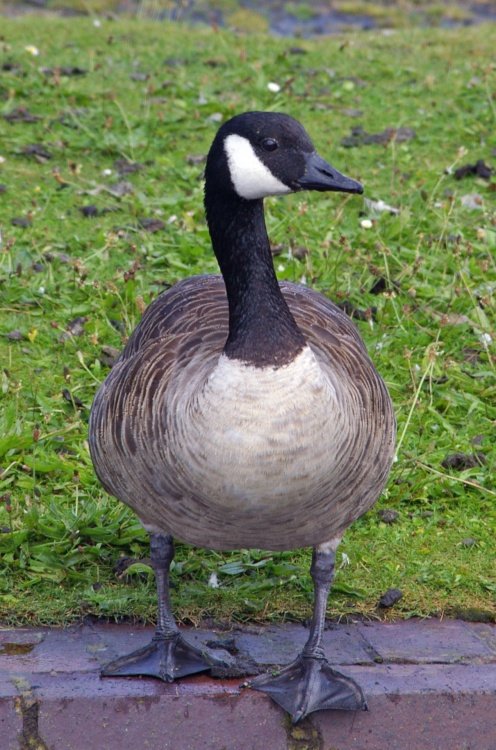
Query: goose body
x=228, y=455
x=245, y=412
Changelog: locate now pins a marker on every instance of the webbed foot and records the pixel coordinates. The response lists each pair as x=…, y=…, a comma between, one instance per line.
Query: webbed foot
x=310, y=684
x=168, y=659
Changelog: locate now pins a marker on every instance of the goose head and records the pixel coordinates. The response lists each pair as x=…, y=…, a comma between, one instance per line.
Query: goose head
x=258, y=154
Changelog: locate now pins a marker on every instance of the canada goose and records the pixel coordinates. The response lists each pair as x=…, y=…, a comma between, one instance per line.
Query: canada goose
x=246, y=413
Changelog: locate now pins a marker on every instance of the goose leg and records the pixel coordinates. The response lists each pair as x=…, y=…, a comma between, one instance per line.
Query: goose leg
x=168, y=656
x=310, y=683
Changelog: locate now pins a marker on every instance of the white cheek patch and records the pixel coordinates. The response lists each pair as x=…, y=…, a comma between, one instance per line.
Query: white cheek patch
x=251, y=178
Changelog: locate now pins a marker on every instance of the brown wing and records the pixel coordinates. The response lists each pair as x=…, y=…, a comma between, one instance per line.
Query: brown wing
x=194, y=310
x=189, y=321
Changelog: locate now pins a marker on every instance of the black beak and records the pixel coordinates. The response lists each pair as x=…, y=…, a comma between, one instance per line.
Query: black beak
x=319, y=175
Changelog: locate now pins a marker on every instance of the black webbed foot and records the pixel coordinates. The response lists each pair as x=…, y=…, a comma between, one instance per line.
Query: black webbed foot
x=167, y=659
x=310, y=684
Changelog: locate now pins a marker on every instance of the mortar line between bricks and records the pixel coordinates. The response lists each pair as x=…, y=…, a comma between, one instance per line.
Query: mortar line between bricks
x=28, y=706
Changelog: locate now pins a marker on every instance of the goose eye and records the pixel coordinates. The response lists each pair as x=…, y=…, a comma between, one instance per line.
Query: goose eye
x=270, y=144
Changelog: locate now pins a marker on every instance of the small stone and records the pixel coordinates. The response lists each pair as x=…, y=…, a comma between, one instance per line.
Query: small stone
x=352, y=112
x=123, y=166
x=468, y=542
x=76, y=327
x=20, y=114
x=461, y=461
x=121, y=188
x=65, y=70
x=139, y=76
x=38, y=151
x=109, y=355
x=228, y=643
x=299, y=252
x=89, y=211
x=195, y=159
x=151, y=225
x=21, y=221
x=388, y=515
x=15, y=335
x=390, y=598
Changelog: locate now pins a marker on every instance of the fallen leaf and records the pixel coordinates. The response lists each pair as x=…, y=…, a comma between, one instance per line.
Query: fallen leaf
x=68, y=396
x=375, y=208
x=453, y=319
x=473, y=201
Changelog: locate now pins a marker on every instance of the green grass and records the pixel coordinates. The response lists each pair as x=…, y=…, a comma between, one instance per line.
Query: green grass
x=154, y=94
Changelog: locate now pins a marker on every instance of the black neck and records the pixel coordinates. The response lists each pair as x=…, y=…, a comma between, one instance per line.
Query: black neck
x=262, y=330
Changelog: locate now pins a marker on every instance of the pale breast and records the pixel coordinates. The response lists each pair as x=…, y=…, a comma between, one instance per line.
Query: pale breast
x=257, y=437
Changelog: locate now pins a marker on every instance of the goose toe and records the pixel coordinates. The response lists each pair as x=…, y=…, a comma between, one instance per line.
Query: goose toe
x=310, y=684
x=167, y=659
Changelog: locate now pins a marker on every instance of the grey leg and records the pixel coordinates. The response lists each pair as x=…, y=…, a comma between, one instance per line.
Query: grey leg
x=309, y=683
x=162, y=554
x=169, y=656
